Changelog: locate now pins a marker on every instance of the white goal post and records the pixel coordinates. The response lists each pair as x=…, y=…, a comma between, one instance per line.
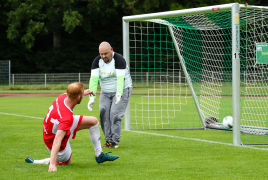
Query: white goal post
x=217, y=62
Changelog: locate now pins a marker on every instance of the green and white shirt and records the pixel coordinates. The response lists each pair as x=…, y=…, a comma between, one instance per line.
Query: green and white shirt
x=113, y=76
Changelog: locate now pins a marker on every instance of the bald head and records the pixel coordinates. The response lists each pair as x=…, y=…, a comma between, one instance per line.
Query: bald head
x=105, y=45
x=106, y=52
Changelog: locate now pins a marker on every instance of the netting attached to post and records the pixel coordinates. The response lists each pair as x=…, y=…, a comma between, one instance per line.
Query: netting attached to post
x=205, y=49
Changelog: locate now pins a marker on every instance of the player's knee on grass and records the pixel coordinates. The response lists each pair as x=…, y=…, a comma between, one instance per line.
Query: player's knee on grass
x=64, y=163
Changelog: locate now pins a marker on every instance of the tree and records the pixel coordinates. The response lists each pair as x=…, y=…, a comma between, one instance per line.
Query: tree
x=263, y=2
x=142, y=7
x=32, y=25
x=29, y=18
x=151, y=6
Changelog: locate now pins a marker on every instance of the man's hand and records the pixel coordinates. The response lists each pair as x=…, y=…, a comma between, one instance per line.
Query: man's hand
x=118, y=98
x=88, y=92
x=52, y=167
x=55, y=149
x=90, y=103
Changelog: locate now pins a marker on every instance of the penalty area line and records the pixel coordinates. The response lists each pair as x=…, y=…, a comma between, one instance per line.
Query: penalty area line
x=199, y=140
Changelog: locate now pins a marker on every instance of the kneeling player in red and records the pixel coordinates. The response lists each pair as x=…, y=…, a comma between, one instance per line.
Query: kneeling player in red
x=60, y=125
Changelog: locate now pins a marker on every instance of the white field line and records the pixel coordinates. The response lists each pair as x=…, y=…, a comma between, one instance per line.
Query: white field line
x=20, y=115
x=163, y=135
x=200, y=140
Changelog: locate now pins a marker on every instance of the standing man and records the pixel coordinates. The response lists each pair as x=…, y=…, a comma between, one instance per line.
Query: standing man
x=60, y=125
x=110, y=68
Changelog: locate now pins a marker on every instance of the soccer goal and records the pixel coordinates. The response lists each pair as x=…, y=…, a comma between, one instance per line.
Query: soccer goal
x=191, y=68
x=5, y=68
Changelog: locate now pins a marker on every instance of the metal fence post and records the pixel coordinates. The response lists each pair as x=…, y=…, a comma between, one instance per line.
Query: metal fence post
x=147, y=79
x=9, y=73
x=13, y=80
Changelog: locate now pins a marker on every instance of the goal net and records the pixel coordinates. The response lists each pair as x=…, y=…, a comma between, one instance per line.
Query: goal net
x=5, y=66
x=183, y=72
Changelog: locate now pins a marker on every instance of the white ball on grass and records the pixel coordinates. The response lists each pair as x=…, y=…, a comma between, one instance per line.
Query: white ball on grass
x=228, y=122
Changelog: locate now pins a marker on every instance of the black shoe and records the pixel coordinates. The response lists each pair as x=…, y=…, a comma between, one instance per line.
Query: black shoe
x=114, y=145
x=106, y=145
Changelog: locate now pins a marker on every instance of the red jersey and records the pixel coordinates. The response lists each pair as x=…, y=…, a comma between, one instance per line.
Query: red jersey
x=59, y=117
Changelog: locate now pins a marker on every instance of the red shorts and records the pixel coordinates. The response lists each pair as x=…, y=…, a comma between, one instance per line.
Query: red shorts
x=64, y=163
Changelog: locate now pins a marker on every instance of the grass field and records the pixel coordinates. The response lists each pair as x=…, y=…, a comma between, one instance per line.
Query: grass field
x=162, y=154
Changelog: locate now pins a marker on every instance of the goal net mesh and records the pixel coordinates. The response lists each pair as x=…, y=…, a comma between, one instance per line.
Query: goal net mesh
x=163, y=99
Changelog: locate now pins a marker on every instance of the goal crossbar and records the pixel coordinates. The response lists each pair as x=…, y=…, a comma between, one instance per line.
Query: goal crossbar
x=184, y=12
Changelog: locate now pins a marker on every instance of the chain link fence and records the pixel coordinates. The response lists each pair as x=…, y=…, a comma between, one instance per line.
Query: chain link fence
x=48, y=79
